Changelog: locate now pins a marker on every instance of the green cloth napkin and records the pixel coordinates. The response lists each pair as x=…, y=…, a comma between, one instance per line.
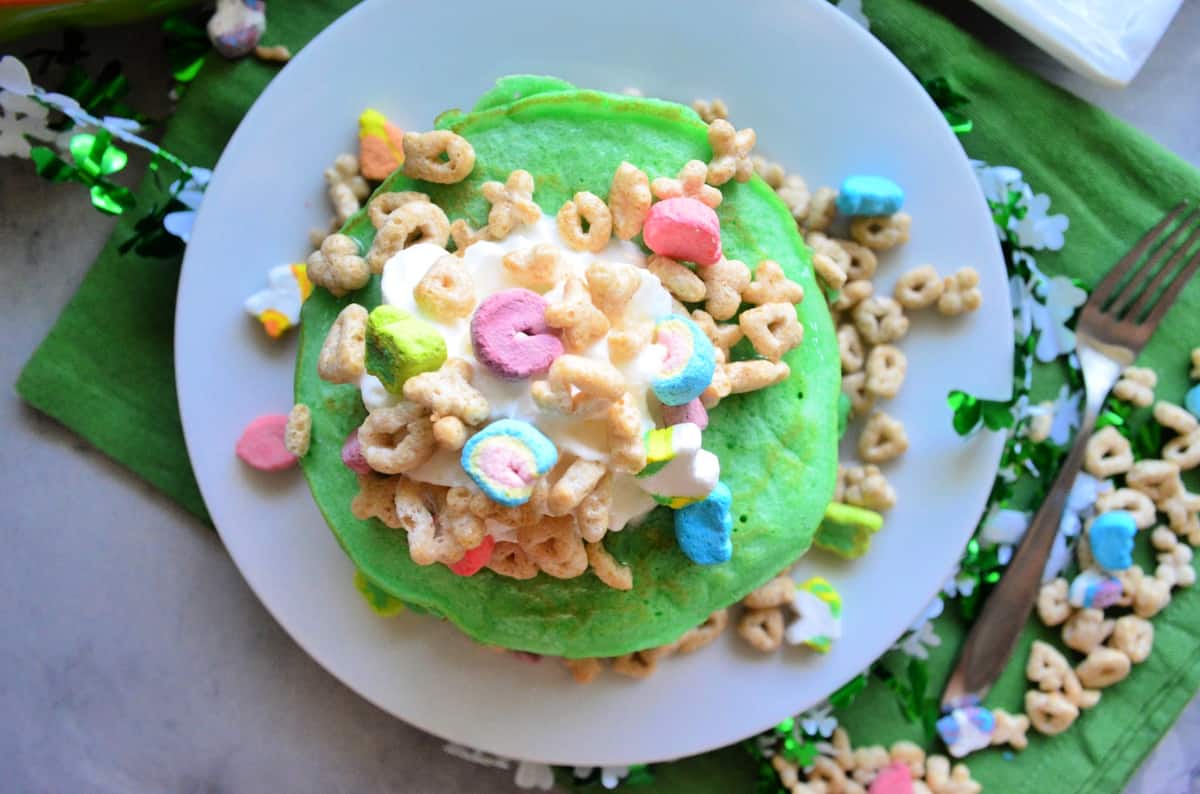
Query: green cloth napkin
x=106, y=368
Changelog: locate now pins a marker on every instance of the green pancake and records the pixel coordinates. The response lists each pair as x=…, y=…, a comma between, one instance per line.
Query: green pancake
x=777, y=446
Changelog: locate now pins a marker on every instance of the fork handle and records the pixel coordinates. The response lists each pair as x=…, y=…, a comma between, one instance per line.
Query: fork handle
x=993, y=637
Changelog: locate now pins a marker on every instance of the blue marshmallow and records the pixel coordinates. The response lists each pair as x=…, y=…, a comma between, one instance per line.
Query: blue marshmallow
x=1111, y=539
x=703, y=529
x=869, y=195
x=1192, y=400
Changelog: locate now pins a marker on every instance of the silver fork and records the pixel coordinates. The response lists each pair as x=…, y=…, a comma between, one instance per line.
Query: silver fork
x=1113, y=328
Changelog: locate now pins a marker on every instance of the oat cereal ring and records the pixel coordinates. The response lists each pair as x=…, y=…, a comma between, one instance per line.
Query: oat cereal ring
x=508, y=559
x=771, y=172
x=625, y=343
x=590, y=377
x=612, y=285
x=1181, y=515
x=862, y=260
x=456, y=516
x=960, y=293
x=678, y=279
x=1134, y=637
x=428, y=541
x=1010, y=729
x=512, y=204
x=828, y=271
x=593, y=512
x=794, y=193
x=822, y=208
x=338, y=266
x=640, y=664
x=826, y=775
x=772, y=328
x=723, y=336
x=788, y=773
x=1136, y=386
x=298, y=433
x=879, y=320
x=850, y=348
x=535, y=268
x=1050, y=714
x=689, y=184
x=865, y=486
x=446, y=292
x=731, y=153
x=854, y=386
x=725, y=281
x=919, y=288
x=775, y=593
x=1087, y=630
x=869, y=762
x=747, y=376
x=1163, y=539
x=449, y=432
x=706, y=632
x=626, y=448
x=823, y=244
x=886, y=367
x=1174, y=417
x=582, y=324
x=629, y=200
x=584, y=671
x=376, y=498
x=711, y=111
x=883, y=439
x=1131, y=501
x=762, y=628
x=1151, y=596
x=1175, y=567
x=464, y=236
x=415, y=222
x=585, y=207
x=1053, y=606
x=554, y=546
x=851, y=295
x=346, y=187
x=771, y=285
x=1102, y=668
x=1184, y=451
x=447, y=391
x=343, y=353
x=911, y=755
x=397, y=439
x=1108, y=453
x=607, y=569
x=1157, y=479
x=438, y=156
x=576, y=482
x=385, y=204
x=881, y=232
x=721, y=385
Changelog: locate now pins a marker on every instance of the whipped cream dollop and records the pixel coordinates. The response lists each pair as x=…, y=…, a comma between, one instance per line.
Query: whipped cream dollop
x=575, y=436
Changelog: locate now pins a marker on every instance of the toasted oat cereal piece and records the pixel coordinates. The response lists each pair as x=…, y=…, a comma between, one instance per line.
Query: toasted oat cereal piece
x=585, y=378
x=869, y=761
x=641, y=664
x=346, y=186
x=1174, y=417
x=438, y=156
x=428, y=540
x=376, y=498
x=1134, y=637
x=706, y=632
x=850, y=348
x=1175, y=567
x=771, y=285
x=772, y=328
x=941, y=779
x=722, y=335
x=724, y=282
x=338, y=265
x=823, y=244
x=465, y=236
x=1181, y=510
x=414, y=222
x=384, y=204
x=794, y=193
x=555, y=546
x=582, y=324
x=879, y=320
x=678, y=279
x=576, y=482
x=883, y=439
x=1010, y=729
x=762, y=628
x=612, y=286
x=447, y=391
x=1102, y=668
x=397, y=439
x=919, y=288
x=862, y=260
x=298, y=433
x=587, y=207
x=449, y=432
x=731, y=152
x=1136, y=386
x=960, y=292
x=629, y=200
x=1163, y=539
x=911, y=755
x=343, y=354
x=827, y=775
x=1151, y=597
x=446, y=292
x=865, y=486
x=854, y=386
x=1157, y=479
x=851, y=295
x=721, y=385
x=1184, y=451
x=771, y=172
x=512, y=204
x=509, y=559
x=1053, y=606
x=691, y=183
x=1131, y=501
x=607, y=569
x=626, y=342
x=593, y=512
x=1087, y=630
x=625, y=436
x=828, y=271
x=822, y=209
x=881, y=232
x=1050, y=713
x=276, y=54
x=886, y=367
x=712, y=110
x=747, y=376
x=536, y=268
x=776, y=593
x=1108, y=453
x=584, y=671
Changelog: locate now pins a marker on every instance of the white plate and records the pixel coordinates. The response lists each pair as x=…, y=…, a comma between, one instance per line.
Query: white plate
x=826, y=99
x=1105, y=40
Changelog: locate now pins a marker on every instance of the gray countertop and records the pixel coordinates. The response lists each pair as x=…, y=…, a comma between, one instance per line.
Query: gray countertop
x=136, y=659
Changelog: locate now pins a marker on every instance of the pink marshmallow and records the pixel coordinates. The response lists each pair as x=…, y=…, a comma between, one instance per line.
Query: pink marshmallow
x=352, y=454
x=684, y=228
x=894, y=779
x=693, y=412
x=261, y=445
x=475, y=558
x=510, y=335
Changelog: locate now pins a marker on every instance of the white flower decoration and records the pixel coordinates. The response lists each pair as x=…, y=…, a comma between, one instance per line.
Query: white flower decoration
x=1063, y=299
x=1060, y=555
x=532, y=775
x=610, y=776
x=190, y=194
x=917, y=643
x=1066, y=416
x=819, y=720
x=1037, y=229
